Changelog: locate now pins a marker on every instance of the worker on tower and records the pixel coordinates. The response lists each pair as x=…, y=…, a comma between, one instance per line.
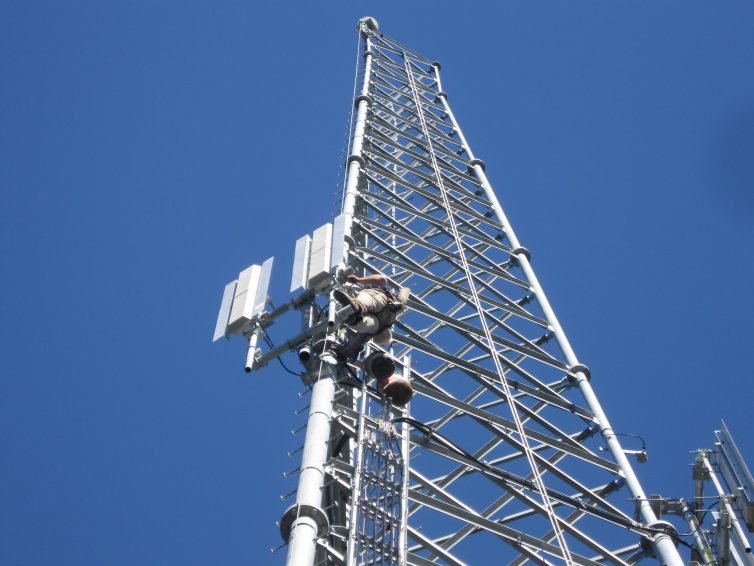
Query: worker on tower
x=373, y=312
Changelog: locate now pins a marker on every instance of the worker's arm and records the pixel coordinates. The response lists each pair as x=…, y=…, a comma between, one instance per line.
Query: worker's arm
x=375, y=279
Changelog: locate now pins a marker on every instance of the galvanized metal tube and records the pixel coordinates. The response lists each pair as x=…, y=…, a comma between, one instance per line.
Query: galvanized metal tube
x=331, y=306
x=702, y=546
x=405, y=450
x=664, y=546
x=699, y=486
x=302, y=542
x=251, y=353
x=355, y=160
x=352, y=551
x=303, y=546
x=723, y=537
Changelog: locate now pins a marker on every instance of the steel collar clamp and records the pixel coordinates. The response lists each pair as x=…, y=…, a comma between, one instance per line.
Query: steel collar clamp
x=362, y=98
x=521, y=251
x=658, y=529
x=296, y=511
x=474, y=162
x=360, y=160
x=580, y=368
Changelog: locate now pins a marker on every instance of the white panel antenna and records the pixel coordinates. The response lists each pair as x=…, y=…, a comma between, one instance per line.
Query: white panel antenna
x=224, y=314
x=300, y=276
x=249, y=297
x=243, y=302
x=264, y=284
x=319, y=259
x=338, y=241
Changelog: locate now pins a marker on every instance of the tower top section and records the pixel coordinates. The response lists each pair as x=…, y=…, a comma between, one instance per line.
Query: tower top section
x=368, y=23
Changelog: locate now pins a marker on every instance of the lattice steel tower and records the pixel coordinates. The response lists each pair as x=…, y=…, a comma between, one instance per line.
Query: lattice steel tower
x=504, y=454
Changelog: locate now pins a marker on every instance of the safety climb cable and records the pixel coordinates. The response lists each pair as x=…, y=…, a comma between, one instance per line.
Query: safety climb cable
x=554, y=519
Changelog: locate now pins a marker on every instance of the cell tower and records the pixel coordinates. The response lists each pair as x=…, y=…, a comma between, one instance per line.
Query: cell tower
x=472, y=434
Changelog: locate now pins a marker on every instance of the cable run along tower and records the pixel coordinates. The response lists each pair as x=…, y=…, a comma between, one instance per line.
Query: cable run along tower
x=503, y=454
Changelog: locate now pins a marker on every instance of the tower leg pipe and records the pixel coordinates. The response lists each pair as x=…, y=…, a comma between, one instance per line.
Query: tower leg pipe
x=663, y=544
x=355, y=160
x=308, y=518
x=306, y=525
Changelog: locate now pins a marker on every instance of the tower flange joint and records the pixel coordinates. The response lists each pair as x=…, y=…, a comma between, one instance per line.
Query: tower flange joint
x=362, y=97
x=302, y=510
x=660, y=528
x=581, y=368
x=358, y=158
x=520, y=250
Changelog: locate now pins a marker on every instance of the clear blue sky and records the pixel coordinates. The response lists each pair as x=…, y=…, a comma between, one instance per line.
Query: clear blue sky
x=150, y=150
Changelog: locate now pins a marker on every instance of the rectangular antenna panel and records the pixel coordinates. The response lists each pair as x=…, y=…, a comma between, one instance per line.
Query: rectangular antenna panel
x=243, y=302
x=736, y=475
x=224, y=314
x=300, y=275
x=319, y=259
x=338, y=241
x=264, y=284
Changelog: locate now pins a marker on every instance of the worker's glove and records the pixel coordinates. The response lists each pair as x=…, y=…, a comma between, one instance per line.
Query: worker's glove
x=343, y=273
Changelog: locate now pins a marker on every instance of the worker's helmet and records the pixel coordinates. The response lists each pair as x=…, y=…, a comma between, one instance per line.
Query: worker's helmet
x=396, y=388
